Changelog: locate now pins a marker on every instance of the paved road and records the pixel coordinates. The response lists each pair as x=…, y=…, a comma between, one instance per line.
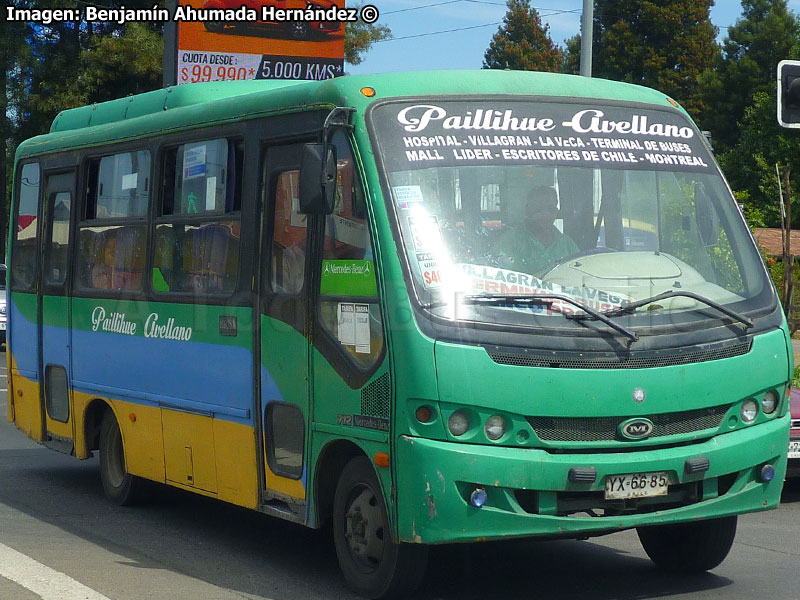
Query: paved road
x=60, y=540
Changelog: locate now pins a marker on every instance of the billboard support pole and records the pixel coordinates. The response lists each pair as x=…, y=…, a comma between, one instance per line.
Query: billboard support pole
x=171, y=47
x=587, y=24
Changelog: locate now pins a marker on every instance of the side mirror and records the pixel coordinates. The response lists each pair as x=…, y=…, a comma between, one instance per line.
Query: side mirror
x=707, y=222
x=318, y=179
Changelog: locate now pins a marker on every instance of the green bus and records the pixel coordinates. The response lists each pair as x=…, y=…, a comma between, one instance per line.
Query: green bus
x=427, y=308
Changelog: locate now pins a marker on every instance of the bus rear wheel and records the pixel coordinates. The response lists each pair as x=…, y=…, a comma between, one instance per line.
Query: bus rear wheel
x=120, y=487
x=373, y=565
x=689, y=547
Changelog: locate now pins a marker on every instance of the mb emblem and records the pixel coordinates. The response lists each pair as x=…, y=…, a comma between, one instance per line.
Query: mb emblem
x=636, y=429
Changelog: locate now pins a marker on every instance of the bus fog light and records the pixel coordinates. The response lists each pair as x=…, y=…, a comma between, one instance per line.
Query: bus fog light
x=749, y=411
x=478, y=497
x=767, y=473
x=458, y=423
x=770, y=402
x=424, y=414
x=495, y=427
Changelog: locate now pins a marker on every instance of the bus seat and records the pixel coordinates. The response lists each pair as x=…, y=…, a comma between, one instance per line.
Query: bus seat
x=212, y=259
x=127, y=256
x=164, y=259
x=101, y=249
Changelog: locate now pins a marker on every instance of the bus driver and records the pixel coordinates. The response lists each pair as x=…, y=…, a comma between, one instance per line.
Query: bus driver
x=537, y=242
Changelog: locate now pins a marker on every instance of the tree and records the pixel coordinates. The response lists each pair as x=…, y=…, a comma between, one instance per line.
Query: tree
x=522, y=43
x=766, y=33
x=120, y=65
x=750, y=164
x=13, y=54
x=664, y=45
x=571, y=64
x=359, y=37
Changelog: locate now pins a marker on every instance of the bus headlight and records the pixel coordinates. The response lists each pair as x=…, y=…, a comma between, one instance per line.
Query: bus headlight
x=769, y=403
x=458, y=423
x=495, y=427
x=749, y=411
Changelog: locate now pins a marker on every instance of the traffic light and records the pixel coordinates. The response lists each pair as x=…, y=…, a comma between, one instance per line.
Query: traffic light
x=789, y=94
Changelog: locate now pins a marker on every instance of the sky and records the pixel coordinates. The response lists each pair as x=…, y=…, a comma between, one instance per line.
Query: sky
x=476, y=21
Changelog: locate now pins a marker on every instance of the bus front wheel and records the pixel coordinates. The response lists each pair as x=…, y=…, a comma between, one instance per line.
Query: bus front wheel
x=373, y=565
x=689, y=547
x=119, y=486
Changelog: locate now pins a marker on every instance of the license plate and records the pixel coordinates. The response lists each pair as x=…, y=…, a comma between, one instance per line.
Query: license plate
x=794, y=449
x=636, y=485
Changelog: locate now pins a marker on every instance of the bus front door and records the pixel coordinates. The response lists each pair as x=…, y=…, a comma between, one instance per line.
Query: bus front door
x=285, y=332
x=54, y=317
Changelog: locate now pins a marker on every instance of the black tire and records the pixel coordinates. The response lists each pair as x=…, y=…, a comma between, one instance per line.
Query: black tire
x=214, y=26
x=689, y=547
x=373, y=565
x=300, y=30
x=120, y=487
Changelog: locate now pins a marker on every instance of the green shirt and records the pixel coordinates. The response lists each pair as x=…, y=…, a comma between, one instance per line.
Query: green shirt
x=519, y=250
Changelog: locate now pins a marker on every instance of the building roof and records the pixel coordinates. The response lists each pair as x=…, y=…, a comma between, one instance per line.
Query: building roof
x=771, y=241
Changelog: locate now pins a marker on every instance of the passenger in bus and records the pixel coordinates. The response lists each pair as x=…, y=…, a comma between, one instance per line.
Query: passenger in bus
x=536, y=243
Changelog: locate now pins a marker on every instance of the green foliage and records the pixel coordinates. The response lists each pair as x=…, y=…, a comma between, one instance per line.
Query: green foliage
x=522, y=43
x=715, y=262
x=665, y=45
x=766, y=33
x=116, y=66
x=359, y=38
x=777, y=272
x=571, y=61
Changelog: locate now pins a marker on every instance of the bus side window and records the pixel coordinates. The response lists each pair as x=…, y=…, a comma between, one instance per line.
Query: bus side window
x=111, y=258
x=56, y=269
x=23, y=273
x=349, y=308
x=289, y=236
x=112, y=234
x=196, y=246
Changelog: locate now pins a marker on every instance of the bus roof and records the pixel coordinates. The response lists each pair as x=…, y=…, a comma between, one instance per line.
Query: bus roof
x=201, y=104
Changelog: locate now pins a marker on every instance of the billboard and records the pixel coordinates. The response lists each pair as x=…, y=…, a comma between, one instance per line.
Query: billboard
x=220, y=40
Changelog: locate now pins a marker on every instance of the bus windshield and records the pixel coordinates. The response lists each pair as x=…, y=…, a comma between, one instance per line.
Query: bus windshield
x=603, y=205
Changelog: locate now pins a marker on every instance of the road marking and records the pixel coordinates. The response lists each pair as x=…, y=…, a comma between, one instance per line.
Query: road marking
x=41, y=579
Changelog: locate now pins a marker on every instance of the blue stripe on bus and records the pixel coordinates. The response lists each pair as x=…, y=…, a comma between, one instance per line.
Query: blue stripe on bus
x=22, y=344
x=193, y=376
x=214, y=379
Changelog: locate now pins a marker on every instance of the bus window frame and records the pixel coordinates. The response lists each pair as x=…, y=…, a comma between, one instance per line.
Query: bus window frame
x=81, y=222
x=64, y=288
x=34, y=287
x=353, y=373
x=488, y=334
x=167, y=144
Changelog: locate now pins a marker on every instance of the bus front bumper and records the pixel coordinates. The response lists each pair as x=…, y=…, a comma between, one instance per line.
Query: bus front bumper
x=529, y=492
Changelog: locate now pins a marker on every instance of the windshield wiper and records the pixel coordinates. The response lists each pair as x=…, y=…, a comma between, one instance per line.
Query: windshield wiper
x=546, y=300
x=629, y=308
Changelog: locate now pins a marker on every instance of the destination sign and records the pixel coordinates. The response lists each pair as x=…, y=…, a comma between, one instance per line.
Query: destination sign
x=487, y=132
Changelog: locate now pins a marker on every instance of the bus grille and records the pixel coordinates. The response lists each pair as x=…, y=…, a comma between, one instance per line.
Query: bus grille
x=604, y=429
x=376, y=398
x=638, y=360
